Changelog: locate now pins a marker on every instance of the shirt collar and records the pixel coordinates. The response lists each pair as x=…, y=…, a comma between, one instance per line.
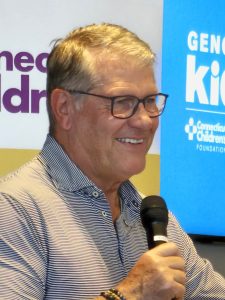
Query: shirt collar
x=65, y=174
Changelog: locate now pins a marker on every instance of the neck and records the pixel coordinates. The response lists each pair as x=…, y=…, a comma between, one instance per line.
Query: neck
x=103, y=181
x=114, y=203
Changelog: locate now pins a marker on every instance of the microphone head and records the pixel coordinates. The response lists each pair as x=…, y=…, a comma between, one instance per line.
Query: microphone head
x=154, y=209
x=154, y=216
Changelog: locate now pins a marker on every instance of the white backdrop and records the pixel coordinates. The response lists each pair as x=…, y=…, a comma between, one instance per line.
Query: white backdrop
x=29, y=27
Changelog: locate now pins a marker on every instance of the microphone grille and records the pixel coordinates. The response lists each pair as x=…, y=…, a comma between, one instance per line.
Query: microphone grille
x=153, y=209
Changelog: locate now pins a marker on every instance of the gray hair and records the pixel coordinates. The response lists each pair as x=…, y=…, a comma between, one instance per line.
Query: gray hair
x=71, y=66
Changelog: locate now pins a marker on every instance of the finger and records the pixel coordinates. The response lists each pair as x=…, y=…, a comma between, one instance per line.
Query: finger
x=179, y=277
x=176, y=262
x=166, y=249
x=179, y=291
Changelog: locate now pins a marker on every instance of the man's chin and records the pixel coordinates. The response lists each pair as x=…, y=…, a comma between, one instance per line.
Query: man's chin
x=136, y=168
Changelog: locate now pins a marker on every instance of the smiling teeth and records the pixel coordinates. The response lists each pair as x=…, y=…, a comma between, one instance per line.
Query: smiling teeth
x=131, y=141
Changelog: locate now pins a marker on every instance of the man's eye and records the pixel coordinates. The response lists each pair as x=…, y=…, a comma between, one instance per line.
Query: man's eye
x=150, y=100
x=126, y=101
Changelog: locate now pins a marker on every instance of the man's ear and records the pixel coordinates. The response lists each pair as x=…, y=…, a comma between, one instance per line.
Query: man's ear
x=62, y=108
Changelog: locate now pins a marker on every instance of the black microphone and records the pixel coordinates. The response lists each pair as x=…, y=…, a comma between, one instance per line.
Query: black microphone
x=154, y=216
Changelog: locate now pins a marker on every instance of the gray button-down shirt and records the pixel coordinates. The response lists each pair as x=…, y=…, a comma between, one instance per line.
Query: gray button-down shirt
x=58, y=241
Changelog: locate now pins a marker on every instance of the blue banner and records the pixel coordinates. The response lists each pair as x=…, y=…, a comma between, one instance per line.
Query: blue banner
x=193, y=126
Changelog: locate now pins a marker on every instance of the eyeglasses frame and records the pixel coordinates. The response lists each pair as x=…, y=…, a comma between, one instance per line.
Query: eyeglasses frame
x=113, y=98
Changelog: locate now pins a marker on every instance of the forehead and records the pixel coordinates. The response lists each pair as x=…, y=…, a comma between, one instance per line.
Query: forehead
x=120, y=72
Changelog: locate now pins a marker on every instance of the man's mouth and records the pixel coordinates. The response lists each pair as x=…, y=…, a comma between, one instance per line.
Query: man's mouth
x=130, y=141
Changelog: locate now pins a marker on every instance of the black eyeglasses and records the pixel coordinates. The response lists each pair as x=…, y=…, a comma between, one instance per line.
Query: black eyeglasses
x=124, y=107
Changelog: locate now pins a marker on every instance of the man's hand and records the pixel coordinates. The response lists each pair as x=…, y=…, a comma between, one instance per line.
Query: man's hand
x=158, y=275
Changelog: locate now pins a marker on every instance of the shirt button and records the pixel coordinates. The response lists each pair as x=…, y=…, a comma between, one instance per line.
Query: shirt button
x=125, y=222
x=135, y=203
x=104, y=213
x=95, y=194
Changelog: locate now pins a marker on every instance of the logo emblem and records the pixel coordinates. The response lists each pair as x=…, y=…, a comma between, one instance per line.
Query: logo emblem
x=190, y=129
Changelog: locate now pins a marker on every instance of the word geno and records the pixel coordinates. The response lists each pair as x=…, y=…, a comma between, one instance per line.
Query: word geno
x=204, y=42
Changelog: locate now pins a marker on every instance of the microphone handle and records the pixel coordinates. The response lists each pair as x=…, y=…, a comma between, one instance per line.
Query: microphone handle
x=156, y=234
x=159, y=239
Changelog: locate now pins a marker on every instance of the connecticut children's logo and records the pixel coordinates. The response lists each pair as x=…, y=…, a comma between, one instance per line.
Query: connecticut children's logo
x=190, y=129
x=20, y=74
x=208, y=136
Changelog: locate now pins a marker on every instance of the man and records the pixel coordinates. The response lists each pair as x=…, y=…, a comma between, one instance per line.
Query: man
x=70, y=225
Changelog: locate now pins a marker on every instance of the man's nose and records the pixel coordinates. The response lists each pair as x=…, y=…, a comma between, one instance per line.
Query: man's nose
x=141, y=118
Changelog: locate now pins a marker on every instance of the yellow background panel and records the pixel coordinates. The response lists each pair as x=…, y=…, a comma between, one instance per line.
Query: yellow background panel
x=147, y=182
x=11, y=159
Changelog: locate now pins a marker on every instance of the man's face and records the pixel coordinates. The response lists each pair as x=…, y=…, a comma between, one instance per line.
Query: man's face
x=103, y=146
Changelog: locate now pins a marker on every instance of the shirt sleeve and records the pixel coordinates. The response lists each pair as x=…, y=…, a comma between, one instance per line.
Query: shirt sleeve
x=23, y=256
x=202, y=281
